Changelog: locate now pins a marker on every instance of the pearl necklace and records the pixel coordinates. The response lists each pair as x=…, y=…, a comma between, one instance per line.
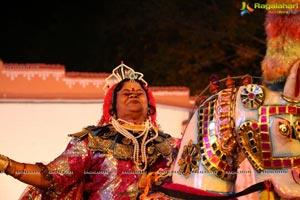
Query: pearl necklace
x=136, y=152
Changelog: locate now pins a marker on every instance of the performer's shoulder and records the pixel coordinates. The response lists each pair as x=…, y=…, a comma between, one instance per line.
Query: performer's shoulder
x=169, y=140
x=163, y=134
x=91, y=131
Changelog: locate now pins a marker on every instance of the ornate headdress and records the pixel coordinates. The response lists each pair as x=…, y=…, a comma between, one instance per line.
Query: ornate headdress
x=120, y=73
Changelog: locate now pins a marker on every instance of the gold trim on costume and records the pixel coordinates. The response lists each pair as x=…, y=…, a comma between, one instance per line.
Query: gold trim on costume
x=109, y=142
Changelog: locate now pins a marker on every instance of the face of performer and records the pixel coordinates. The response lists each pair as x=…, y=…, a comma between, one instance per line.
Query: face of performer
x=132, y=103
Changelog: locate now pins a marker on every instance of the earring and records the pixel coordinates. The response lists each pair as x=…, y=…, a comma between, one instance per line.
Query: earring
x=149, y=111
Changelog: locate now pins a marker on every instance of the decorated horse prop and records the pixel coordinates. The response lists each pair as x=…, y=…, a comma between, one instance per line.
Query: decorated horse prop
x=251, y=121
x=258, y=122
x=247, y=122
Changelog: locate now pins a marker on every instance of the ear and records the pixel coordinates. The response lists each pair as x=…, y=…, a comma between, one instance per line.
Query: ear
x=292, y=84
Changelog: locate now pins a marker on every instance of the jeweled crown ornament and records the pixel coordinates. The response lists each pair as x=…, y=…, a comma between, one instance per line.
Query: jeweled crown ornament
x=120, y=73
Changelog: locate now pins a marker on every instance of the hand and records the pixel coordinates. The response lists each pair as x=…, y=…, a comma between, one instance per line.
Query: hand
x=292, y=84
x=4, y=162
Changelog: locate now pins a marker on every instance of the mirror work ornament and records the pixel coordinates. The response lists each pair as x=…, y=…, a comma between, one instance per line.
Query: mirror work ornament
x=189, y=161
x=252, y=96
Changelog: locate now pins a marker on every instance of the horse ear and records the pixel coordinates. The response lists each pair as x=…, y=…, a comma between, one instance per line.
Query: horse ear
x=292, y=84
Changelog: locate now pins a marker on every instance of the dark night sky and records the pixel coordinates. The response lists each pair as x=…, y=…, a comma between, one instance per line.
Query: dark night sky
x=82, y=36
x=64, y=33
x=96, y=36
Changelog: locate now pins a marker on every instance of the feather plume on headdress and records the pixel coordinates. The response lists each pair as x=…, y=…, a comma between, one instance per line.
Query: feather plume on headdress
x=283, y=41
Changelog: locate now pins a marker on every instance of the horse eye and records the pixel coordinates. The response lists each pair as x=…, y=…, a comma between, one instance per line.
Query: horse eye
x=284, y=129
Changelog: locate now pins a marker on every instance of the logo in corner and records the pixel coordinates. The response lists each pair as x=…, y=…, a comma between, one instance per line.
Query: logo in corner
x=246, y=9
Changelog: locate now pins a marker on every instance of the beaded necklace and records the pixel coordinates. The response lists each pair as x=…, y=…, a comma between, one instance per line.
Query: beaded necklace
x=123, y=129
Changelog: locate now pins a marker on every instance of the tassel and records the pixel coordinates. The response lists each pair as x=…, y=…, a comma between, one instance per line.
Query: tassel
x=268, y=193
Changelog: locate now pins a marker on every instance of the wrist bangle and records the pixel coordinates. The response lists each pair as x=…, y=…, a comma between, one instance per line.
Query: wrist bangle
x=4, y=162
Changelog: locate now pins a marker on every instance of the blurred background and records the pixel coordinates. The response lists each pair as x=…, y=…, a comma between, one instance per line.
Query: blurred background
x=173, y=42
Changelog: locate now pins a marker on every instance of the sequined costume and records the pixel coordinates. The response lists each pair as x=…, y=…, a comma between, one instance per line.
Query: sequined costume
x=98, y=164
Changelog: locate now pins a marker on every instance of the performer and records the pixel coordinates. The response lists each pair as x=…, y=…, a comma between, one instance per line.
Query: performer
x=107, y=161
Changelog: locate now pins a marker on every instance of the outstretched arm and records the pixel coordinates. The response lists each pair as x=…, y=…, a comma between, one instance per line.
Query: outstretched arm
x=27, y=173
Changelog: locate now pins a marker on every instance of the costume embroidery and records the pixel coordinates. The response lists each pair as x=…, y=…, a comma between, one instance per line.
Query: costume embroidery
x=107, y=140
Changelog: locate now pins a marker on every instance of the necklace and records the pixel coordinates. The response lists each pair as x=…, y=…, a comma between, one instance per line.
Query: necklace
x=123, y=129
